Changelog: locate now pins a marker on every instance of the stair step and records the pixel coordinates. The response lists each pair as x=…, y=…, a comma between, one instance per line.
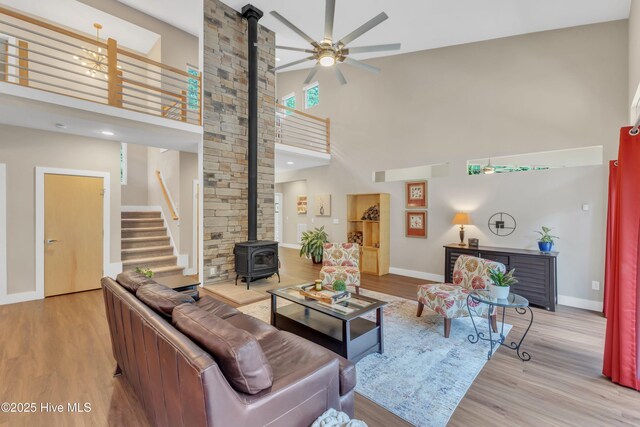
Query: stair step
x=151, y=262
x=143, y=214
x=146, y=252
x=144, y=232
x=142, y=222
x=144, y=242
x=167, y=271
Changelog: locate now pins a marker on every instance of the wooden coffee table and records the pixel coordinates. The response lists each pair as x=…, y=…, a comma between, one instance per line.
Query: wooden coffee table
x=337, y=327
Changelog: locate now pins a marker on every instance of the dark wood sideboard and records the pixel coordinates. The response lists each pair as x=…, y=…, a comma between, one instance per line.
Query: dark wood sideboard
x=536, y=271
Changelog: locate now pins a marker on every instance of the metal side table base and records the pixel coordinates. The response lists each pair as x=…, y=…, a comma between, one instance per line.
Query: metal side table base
x=517, y=302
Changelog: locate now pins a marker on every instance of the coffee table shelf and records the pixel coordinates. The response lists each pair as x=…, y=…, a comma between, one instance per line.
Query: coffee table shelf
x=347, y=334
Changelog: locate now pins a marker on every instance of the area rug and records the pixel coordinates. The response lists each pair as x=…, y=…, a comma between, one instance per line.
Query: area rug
x=422, y=376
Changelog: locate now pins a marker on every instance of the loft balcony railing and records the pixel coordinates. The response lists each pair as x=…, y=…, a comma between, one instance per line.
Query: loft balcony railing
x=43, y=56
x=302, y=130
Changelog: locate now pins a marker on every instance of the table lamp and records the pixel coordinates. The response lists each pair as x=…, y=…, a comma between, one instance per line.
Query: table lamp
x=461, y=219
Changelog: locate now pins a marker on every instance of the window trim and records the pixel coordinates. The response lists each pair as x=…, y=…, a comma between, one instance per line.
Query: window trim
x=124, y=163
x=306, y=91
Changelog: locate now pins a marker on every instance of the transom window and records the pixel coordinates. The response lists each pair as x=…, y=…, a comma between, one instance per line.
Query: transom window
x=311, y=95
x=289, y=101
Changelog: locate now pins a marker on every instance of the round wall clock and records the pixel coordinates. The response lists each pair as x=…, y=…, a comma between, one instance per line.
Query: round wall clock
x=502, y=224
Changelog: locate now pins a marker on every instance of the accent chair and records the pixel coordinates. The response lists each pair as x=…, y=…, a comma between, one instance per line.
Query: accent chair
x=341, y=261
x=450, y=299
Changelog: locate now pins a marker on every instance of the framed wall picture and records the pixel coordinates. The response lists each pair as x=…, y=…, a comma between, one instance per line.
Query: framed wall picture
x=322, y=206
x=417, y=194
x=416, y=224
x=301, y=203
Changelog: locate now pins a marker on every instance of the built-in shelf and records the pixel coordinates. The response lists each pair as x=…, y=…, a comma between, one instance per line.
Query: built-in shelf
x=374, y=250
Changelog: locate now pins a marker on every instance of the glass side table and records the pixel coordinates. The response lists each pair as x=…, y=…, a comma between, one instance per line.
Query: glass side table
x=515, y=301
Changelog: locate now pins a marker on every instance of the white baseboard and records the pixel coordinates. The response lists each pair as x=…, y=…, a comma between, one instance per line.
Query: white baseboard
x=417, y=274
x=586, y=304
x=290, y=245
x=19, y=297
x=190, y=271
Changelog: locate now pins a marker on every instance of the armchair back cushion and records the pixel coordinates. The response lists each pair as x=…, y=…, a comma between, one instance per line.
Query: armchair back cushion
x=472, y=273
x=341, y=255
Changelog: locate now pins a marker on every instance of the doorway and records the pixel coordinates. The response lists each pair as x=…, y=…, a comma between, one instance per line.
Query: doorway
x=72, y=230
x=278, y=218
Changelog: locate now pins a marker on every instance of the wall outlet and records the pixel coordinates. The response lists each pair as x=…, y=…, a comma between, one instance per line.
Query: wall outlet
x=336, y=221
x=585, y=207
x=214, y=271
x=595, y=285
x=313, y=220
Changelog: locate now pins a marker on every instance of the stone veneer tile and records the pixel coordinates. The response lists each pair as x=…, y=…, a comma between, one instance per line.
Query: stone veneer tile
x=225, y=139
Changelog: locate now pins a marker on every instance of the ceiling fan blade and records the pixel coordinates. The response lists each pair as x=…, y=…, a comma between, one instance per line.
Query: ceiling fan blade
x=295, y=49
x=291, y=64
x=376, y=48
x=362, y=65
x=312, y=74
x=363, y=29
x=339, y=75
x=293, y=28
x=329, y=13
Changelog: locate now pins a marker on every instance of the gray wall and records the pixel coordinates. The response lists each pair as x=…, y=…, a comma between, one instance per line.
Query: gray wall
x=536, y=92
x=135, y=192
x=634, y=49
x=24, y=149
x=290, y=217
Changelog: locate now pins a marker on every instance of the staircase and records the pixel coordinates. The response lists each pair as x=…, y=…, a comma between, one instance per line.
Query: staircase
x=145, y=244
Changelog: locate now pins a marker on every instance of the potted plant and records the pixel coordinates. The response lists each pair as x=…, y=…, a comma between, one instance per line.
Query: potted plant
x=502, y=282
x=313, y=244
x=545, y=242
x=339, y=286
x=145, y=272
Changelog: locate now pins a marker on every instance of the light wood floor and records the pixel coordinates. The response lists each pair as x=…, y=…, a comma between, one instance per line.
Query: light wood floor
x=58, y=350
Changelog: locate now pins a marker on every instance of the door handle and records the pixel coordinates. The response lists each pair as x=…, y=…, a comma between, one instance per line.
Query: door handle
x=50, y=241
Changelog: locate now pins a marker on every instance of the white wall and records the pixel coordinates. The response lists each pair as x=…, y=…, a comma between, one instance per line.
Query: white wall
x=536, y=92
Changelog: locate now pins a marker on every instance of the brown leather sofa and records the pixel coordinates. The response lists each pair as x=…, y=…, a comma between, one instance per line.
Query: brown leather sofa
x=179, y=383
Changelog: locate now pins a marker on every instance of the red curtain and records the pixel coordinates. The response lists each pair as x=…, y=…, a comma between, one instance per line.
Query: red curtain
x=621, y=342
x=611, y=258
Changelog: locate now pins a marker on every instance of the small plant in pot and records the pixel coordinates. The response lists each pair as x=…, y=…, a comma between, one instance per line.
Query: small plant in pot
x=313, y=244
x=339, y=286
x=545, y=242
x=502, y=282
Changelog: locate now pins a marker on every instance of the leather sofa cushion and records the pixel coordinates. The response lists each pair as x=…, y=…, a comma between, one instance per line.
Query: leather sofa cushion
x=216, y=307
x=131, y=280
x=161, y=299
x=255, y=327
x=237, y=352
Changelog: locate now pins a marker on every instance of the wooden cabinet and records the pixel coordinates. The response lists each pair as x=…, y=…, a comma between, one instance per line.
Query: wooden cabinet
x=374, y=252
x=536, y=272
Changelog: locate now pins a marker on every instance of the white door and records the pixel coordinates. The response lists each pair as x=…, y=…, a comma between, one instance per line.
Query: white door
x=278, y=221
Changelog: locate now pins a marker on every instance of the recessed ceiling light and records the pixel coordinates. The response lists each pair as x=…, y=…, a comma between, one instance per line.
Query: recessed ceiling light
x=107, y=133
x=61, y=126
x=289, y=163
x=277, y=59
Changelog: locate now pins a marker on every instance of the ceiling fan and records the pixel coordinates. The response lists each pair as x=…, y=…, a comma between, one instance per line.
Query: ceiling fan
x=328, y=53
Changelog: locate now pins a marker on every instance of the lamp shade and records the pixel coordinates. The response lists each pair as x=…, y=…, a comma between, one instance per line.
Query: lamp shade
x=461, y=218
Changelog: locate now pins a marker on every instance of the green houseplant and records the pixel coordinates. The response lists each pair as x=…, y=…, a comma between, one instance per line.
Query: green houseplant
x=313, y=244
x=145, y=272
x=545, y=242
x=339, y=286
x=502, y=282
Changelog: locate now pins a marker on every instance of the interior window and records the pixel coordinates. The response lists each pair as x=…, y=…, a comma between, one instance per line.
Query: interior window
x=311, y=95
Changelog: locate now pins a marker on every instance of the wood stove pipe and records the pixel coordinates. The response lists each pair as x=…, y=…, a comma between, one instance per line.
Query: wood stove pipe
x=252, y=15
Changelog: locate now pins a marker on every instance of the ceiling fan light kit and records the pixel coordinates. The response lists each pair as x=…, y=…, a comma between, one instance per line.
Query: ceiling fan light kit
x=328, y=53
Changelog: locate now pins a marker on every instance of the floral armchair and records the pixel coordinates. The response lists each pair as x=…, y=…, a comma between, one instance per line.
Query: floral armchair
x=341, y=261
x=450, y=299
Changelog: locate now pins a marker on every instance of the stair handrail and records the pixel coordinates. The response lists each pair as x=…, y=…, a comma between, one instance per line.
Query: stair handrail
x=167, y=196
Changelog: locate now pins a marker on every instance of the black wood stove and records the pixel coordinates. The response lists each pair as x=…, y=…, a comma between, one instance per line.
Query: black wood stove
x=254, y=259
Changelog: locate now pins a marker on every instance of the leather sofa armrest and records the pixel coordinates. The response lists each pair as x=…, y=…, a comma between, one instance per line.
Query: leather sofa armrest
x=193, y=293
